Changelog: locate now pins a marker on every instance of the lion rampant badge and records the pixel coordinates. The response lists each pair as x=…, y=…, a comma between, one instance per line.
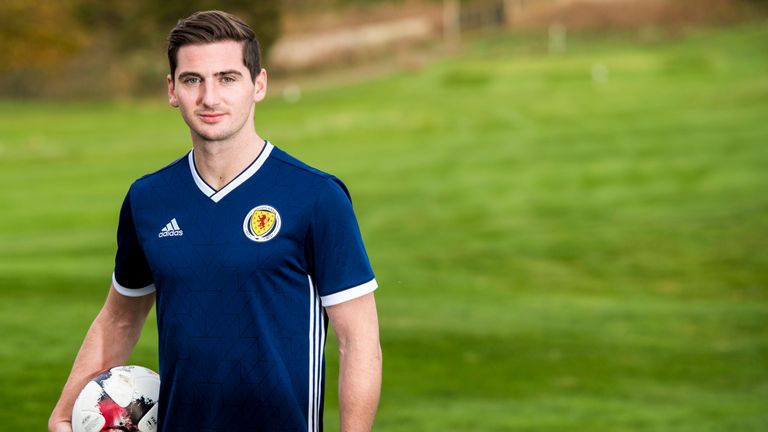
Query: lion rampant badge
x=262, y=223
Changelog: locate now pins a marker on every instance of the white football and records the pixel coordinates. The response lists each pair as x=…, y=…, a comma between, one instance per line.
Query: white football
x=123, y=398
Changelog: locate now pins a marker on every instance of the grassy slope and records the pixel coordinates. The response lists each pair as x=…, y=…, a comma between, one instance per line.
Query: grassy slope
x=554, y=253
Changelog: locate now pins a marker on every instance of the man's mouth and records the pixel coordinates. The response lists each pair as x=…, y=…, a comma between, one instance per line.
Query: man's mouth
x=211, y=117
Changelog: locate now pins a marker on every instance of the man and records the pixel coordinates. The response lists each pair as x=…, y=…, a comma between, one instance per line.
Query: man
x=247, y=252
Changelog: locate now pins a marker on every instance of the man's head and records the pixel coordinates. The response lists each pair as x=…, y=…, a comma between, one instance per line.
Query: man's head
x=214, y=26
x=216, y=79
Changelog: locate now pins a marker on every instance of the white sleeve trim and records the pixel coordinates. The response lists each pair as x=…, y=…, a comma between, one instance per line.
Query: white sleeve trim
x=132, y=292
x=349, y=293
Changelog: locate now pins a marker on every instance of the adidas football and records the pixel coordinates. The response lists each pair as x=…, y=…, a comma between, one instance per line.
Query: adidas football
x=123, y=398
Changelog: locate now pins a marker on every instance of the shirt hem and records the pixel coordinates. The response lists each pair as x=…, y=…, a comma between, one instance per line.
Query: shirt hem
x=132, y=292
x=349, y=293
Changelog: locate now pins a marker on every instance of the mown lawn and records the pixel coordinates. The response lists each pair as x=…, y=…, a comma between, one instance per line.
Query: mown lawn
x=573, y=242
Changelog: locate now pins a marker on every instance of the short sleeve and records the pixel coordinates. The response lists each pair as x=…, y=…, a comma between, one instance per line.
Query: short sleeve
x=340, y=267
x=132, y=276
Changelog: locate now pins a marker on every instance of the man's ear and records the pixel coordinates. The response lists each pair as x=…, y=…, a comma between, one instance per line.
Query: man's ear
x=172, y=100
x=260, y=86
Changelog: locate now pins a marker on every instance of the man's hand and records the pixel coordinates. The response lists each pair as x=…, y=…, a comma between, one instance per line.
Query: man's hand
x=60, y=426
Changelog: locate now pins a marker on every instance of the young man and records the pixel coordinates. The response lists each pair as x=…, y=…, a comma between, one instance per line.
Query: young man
x=248, y=253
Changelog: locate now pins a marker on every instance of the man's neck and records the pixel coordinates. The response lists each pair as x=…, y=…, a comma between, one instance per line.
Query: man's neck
x=219, y=162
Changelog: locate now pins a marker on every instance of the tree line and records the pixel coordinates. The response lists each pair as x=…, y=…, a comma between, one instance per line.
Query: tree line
x=102, y=49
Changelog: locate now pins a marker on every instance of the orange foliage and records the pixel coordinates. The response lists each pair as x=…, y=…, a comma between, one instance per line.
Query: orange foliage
x=38, y=34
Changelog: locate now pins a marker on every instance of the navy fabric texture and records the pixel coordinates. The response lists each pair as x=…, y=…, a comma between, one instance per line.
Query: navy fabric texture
x=241, y=324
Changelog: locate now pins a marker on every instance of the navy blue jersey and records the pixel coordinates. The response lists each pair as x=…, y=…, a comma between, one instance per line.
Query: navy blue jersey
x=242, y=276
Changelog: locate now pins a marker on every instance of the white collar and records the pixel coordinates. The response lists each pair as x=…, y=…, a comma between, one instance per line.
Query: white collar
x=217, y=195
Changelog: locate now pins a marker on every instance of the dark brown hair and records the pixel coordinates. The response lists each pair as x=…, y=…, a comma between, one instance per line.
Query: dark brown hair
x=214, y=26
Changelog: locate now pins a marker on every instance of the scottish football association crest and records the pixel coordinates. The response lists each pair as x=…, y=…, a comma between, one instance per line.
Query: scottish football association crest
x=262, y=223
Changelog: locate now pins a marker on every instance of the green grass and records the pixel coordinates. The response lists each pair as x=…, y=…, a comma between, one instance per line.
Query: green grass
x=554, y=253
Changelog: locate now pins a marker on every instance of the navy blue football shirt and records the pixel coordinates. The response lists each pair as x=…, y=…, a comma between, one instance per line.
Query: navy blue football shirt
x=242, y=276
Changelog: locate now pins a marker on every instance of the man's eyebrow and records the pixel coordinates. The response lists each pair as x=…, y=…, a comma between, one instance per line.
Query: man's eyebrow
x=228, y=72
x=187, y=74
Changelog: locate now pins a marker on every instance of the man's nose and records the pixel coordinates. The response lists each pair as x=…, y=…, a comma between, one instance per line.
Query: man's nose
x=209, y=96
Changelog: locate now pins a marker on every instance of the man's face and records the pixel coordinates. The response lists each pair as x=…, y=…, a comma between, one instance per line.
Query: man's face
x=214, y=90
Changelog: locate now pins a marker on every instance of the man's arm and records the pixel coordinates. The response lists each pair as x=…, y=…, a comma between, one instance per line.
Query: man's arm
x=108, y=343
x=357, y=328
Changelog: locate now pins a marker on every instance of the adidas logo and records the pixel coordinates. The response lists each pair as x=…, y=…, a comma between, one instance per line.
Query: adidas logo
x=171, y=230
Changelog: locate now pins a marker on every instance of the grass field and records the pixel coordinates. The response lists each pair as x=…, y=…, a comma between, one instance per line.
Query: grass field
x=563, y=243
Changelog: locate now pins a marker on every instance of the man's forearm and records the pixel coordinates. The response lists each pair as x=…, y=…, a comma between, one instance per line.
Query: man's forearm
x=108, y=343
x=359, y=384
x=357, y=331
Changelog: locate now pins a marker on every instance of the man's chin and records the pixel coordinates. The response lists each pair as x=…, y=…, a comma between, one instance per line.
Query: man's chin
x=211, y=137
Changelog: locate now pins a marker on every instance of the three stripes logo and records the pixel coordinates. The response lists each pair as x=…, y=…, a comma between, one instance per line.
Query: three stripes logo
x=171, y=229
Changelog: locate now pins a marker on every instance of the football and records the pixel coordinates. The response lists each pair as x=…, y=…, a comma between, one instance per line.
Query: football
x=123, y=398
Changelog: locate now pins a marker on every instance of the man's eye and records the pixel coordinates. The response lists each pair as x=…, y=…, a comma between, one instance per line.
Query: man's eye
x=227, y=79
x=191, y=80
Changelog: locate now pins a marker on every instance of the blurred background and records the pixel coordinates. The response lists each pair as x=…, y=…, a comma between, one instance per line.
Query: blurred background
x=564, y=201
